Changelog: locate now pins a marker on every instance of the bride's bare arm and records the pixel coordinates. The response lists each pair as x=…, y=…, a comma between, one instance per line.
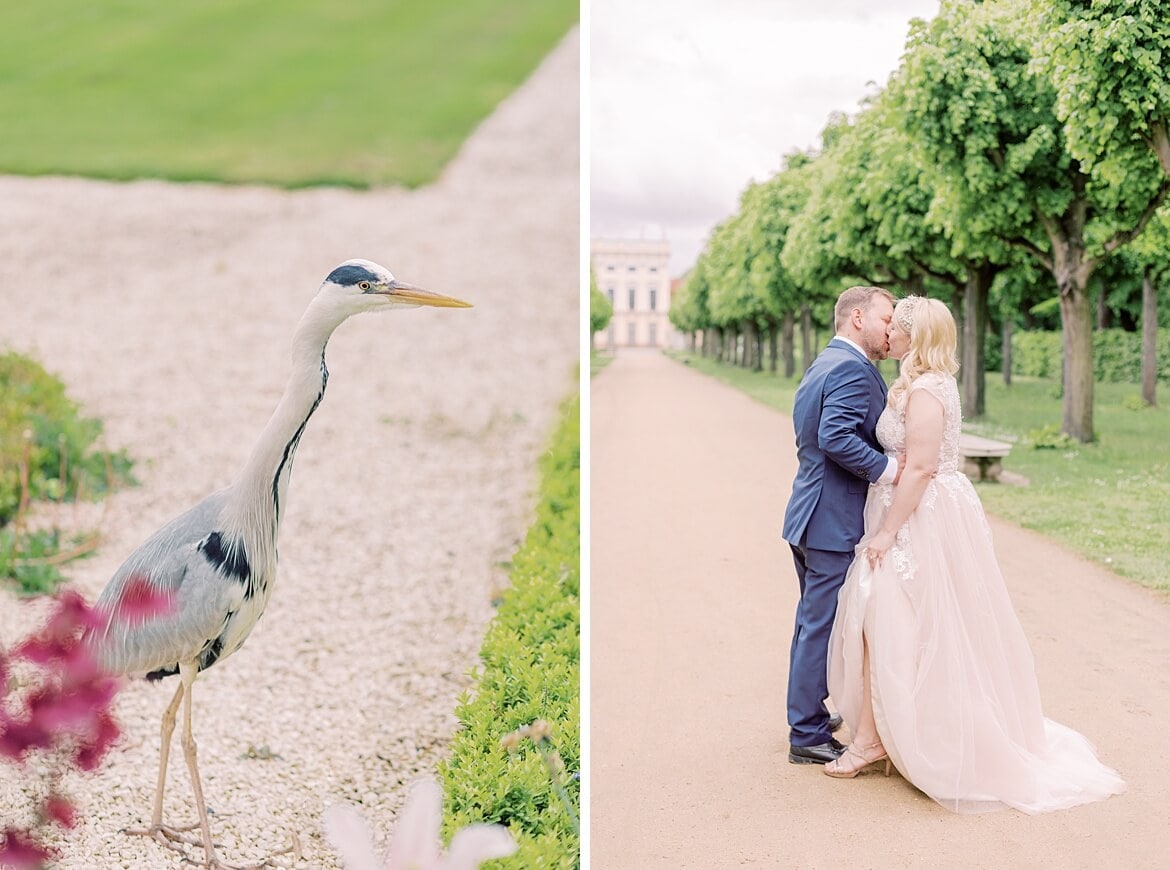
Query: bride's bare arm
x=925, y=422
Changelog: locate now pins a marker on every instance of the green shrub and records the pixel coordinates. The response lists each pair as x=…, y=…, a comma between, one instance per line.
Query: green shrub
x=46, y=453
x=1049, y=438
x=531, y=671
x=1117, y=355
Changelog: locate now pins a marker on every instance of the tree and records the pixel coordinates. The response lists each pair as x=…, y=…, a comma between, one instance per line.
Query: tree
x=600, y=308
x=985, y=118
x=688, y=309
x=772, y=207
x=732, y=303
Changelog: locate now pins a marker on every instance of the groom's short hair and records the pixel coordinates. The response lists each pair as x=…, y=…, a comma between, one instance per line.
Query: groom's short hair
x=856, y=297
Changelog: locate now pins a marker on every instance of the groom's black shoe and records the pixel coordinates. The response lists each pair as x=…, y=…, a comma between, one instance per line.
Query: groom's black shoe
x=835, y=722
x=822, y=753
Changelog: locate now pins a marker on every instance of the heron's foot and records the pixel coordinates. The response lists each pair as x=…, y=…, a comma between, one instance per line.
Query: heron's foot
x=168, y=835
x=178, y=839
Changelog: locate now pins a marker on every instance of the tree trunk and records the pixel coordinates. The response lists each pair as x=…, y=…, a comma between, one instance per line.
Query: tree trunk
x=959, y=307
x=1072, y=271
x=1149, y=338
x=751, y=350
x=915, y=284
x=788, y=344
x=973, y=360
x=1076, y=317
x=805, y=338
x=759, y=366
x=1008, y=325
x=1103, y=319
x=773, y=336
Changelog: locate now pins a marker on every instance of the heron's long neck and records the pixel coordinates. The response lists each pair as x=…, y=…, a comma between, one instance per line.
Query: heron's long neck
x=257, y=499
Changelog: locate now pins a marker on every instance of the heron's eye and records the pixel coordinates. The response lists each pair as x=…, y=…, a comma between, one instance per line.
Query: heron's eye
x=364, y=285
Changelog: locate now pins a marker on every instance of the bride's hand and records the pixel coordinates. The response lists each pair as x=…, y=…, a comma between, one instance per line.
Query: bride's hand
x=877, y=547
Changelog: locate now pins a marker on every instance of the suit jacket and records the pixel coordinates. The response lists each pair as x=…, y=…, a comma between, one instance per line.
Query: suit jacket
x=835, y=416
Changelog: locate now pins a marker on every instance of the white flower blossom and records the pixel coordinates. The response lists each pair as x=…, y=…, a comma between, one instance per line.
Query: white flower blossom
x=415, y=843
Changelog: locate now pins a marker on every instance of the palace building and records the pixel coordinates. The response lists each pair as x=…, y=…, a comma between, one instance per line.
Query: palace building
x=633, y=274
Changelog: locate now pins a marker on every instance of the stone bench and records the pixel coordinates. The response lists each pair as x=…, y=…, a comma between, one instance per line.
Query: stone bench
x=983, y=457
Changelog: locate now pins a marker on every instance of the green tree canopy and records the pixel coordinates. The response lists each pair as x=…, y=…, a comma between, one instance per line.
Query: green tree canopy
x=1109, y=61
x=600, y=308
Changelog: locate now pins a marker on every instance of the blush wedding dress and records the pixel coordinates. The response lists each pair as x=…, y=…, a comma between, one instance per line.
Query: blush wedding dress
x=954, y=688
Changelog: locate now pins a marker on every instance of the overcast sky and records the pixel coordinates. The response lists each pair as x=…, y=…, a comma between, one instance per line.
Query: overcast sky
x=692, y=99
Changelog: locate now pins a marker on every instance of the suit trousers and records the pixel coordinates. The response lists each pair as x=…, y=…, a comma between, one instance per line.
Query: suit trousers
x=821, y=574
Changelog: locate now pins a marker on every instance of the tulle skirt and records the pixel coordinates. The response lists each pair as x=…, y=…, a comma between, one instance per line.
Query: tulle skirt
x=954, y=687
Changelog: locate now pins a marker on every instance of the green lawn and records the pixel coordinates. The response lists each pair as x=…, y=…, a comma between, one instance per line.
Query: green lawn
x=353, y=92
x=598, y=359
x=1108, y=500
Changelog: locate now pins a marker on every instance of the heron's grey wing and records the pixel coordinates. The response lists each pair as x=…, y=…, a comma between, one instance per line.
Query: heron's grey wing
x=198, y=599
x=200, y=602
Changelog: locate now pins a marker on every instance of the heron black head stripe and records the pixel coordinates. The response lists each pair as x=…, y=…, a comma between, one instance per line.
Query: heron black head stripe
x=346, y=276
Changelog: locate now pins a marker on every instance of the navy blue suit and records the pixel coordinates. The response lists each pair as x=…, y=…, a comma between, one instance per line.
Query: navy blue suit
x=835, y=416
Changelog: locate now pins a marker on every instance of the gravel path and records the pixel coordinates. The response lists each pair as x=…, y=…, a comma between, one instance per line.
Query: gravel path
x=689, y=740
x=168, y=311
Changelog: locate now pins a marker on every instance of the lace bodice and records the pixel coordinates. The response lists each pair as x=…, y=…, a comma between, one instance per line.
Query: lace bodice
x=891, y=426
x=948, y=482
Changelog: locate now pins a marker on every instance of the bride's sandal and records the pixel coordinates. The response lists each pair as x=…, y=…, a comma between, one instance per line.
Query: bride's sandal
x=853, y=761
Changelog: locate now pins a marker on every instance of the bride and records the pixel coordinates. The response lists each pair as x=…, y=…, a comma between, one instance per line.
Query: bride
x=928, y=663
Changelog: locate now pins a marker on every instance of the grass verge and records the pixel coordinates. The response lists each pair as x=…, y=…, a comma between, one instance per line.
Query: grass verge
x=598, y=359
x=531, y=671
x=1106, y=500
x=352, y=92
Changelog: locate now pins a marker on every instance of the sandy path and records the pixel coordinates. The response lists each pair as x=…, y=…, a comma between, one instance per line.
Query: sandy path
x=692, y=596
x=168, y=310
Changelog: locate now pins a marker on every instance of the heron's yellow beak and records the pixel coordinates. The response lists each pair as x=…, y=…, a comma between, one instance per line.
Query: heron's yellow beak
x=400, y=291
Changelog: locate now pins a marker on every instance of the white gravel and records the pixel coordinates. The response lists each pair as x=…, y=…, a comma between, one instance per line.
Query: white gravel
x=168, y=310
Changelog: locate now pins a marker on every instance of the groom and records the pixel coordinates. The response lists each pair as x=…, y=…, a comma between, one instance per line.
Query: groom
x=835, y=414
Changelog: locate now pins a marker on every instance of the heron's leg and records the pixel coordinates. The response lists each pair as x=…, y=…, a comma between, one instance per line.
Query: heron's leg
x=187, y=671
x=156, y=829
x=168, y=728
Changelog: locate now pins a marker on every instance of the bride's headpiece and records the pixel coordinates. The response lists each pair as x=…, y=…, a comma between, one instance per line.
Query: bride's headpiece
x=904, y=311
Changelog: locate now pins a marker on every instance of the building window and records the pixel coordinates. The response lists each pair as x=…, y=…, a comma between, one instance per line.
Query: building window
x=609, y=292
x=609, y=268
x=631, y=333
x=631, y=298
x=653, y=337
x=631, y=268
x=653, y=298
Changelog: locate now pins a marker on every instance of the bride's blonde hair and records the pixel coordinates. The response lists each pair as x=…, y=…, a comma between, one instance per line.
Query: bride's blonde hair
x=933, y=340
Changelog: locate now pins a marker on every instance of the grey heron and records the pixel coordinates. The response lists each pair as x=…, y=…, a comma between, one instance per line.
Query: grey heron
x=217, y=562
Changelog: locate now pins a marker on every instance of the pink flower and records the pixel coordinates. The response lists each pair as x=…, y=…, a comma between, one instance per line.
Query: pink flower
x=19, y=851
x=59, y=809
x=415, y=845
x=141, y=601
